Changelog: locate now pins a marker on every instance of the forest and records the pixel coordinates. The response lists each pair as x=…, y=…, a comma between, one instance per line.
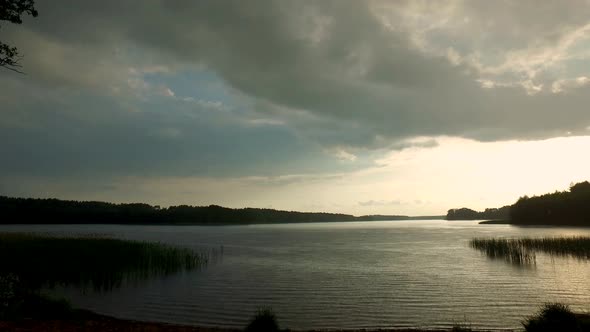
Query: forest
x=502, y=213
x=55, y=211
x=570, y=207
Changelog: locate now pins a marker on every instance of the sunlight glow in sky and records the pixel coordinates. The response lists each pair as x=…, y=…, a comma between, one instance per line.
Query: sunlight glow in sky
x=416, y=108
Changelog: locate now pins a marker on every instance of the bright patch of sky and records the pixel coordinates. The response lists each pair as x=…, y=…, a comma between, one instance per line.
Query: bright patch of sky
x=417, y=180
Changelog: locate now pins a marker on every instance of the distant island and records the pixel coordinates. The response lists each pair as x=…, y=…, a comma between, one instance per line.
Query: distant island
x=502, y=213
x=55, y=211
x=561, y=208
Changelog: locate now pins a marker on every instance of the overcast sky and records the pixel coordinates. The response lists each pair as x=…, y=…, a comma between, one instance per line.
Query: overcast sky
x=363, y=107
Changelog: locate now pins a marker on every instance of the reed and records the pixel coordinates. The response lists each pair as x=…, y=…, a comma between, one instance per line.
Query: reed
x=523, y=250
x=102, y=263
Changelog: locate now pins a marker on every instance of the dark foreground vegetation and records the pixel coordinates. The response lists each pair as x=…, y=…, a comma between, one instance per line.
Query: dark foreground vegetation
x=55, y=211
x=557, y=317
x=264, y=320
x=552, y=317
x=31, y=262
x=523, y=250
x=561, y=208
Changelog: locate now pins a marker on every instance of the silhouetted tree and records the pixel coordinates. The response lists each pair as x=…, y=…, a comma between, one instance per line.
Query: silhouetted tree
x=559, y=208
x=11, y=11
x=55, y=211
x=580, y=188
x=468, y=214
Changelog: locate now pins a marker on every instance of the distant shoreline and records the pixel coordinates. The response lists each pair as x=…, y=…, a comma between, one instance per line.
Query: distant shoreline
x=510, y=222
x=496, y=222
x=86, y=320
x=222, y=224
x=15, y=210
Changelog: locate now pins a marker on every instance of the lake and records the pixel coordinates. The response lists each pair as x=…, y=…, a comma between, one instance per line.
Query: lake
x=343, y=275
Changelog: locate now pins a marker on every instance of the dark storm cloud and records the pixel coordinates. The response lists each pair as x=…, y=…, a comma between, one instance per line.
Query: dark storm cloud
x=330, y=69
x=93, y=136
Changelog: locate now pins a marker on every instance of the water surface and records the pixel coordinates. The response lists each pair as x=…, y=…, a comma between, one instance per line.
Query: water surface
x=343, y=275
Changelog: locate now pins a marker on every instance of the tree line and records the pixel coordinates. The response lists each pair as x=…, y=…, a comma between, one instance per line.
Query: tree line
x=569, y=207
x=55, y=211
x=488, y=214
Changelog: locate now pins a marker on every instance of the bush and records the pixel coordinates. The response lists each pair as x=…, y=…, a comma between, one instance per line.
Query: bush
x=264, y=321
x=553, y=317
x=8, y=293
x=37, y=306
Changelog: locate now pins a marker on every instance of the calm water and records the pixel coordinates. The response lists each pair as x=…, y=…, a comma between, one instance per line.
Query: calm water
x=344, y=275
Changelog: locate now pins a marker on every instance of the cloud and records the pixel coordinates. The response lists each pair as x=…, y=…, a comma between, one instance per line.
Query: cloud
x=79, y=133
x=298, y=79
x=265, y=122
x=342, y=154
x=167, y=92
x=564, y=85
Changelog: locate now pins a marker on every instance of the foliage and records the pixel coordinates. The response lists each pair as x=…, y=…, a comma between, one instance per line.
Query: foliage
x=8, y=292
x=560, y=208
x=18, y=303
x=554, y=317
x=265, y=320
x=55, y=211
x=37, y=306
x=568, y=208
x=469, y=214
x=11, y=11
x=101, y=263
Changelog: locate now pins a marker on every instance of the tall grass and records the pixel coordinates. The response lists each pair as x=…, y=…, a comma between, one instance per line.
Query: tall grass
x=523, y=250
x=98, y=262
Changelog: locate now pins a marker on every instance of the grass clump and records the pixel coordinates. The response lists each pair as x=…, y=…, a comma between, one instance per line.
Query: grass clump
x=556, y=317
x=523, y=251
x=34, y=261
x=265, y=320
x=512, y=250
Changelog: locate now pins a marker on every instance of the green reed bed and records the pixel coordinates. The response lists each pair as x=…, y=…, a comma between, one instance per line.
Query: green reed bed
x=102, y=263
x=523, y=250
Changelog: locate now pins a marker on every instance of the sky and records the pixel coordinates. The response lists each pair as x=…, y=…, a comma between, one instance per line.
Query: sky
x=360, y=107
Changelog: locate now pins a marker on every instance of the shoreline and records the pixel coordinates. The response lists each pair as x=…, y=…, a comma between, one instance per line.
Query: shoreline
x=220, y=223
x=56, y=315
x=496, y=222
x=86, y=320
x=509, y=222
x=111, y=324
